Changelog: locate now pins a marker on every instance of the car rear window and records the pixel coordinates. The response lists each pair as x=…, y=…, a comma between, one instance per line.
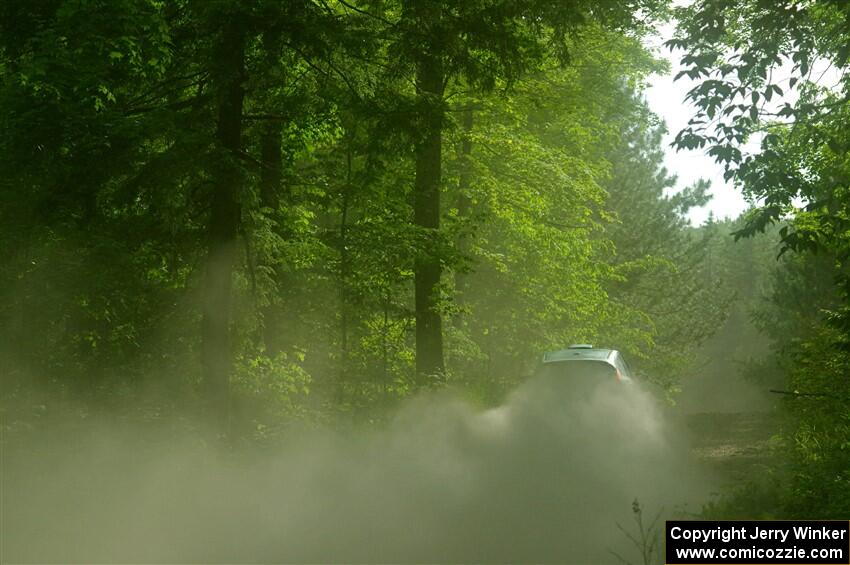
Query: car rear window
x=579, y=370
x=576, y=353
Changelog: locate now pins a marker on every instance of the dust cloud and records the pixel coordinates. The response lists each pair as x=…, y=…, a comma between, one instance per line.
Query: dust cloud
x=546, y=477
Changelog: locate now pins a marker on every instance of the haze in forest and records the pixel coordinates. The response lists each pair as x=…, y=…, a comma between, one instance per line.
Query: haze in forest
x=276, y=277
x=536, y=479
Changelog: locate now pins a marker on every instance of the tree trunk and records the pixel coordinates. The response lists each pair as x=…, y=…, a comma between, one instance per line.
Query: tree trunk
x=223, y=224
x=270, y=182
x=464, y=202
x=426, y=212
x=344, y=272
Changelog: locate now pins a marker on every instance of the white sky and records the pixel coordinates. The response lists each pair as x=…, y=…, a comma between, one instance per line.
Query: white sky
x=667, y=99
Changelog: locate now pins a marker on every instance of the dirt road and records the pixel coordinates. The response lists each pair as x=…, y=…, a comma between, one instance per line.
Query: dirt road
x=734, y=445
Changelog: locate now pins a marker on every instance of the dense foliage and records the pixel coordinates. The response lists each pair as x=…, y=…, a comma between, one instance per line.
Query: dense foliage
x=772, y=98
x=292, y=209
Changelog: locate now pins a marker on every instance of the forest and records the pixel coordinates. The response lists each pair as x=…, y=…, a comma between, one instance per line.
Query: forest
x=276, y=277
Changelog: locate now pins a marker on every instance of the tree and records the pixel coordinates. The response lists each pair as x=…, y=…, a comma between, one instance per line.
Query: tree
x=665, y=268
x=313, y=172
x=476, y=44
x=745, y=58
x=228, y=77
x=761, y=70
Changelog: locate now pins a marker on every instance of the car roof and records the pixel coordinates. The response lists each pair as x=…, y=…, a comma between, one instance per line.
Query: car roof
x=581, y=353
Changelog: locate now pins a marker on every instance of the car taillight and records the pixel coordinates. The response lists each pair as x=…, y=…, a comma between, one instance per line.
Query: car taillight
x=619, y=376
